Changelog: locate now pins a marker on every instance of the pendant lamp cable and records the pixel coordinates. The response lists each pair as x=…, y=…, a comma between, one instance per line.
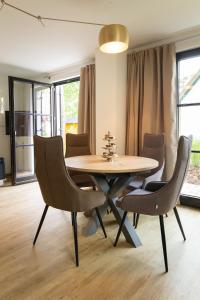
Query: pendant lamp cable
x=42, y=19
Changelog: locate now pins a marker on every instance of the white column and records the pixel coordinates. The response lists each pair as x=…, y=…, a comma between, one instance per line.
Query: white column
x=110, y=98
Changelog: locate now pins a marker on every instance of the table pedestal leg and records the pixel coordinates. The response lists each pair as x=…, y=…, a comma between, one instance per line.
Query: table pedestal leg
x=111, y=190
x=128, y=230
x=93, y=222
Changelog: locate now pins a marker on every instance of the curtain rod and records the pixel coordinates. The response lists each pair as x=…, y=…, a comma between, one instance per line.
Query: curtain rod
x=175, y=38
x=41, y=18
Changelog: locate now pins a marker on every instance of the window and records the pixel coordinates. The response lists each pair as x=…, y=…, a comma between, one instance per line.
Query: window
x=66, y=99
x=188, y=105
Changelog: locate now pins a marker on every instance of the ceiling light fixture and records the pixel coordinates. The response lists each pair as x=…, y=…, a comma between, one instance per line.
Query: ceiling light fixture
x=113, y=38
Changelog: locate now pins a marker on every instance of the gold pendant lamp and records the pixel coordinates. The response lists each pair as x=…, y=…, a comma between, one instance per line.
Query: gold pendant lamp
x=113, y=38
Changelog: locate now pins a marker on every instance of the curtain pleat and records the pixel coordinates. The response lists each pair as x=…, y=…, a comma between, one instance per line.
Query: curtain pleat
x=151, y=100
x=87, y=105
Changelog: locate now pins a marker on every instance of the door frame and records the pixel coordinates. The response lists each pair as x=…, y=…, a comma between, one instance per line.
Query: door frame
x=11, y=81
x=186, y=199
x=54, y=85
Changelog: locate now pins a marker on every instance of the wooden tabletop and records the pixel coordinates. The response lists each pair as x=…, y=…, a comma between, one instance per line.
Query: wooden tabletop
x=121, y=164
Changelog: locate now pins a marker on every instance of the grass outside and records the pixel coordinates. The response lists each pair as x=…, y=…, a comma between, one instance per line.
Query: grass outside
x=193, y=175
x=195, y=157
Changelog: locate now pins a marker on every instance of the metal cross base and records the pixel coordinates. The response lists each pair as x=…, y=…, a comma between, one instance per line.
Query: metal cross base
x=111, y=185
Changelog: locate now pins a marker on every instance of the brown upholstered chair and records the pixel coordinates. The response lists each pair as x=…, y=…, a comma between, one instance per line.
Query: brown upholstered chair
x=159, y=198
x=58, y=189
x=76, y=145
x=153, y=147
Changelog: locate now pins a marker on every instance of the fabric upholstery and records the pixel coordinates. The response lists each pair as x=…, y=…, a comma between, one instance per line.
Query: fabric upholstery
x=153, y=147
x=151, y=100
x=58, y=189
x=87, y=104
x=163, y=200
x=77, y=145
x=136, y=183
x=155, y=185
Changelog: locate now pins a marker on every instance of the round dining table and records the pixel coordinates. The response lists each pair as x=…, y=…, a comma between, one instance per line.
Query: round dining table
x=112, y=177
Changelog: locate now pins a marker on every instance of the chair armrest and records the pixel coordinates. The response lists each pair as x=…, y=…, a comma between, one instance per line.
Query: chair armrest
x=154, y=186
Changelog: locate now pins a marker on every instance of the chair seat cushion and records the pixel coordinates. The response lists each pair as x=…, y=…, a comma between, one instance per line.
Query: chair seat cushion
x=137, y=183
x=82, y=180
x=137, y=192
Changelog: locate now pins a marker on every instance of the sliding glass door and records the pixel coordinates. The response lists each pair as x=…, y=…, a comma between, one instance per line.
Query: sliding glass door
x=42, y=110
x=30, y=113
x=66, y=95
x=188, y=67
x=34, y=111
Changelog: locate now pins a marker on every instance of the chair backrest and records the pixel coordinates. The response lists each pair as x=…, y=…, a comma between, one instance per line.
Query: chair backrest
x=77, y=144
x=169, y=194
x=154, y=147
x=58, y=190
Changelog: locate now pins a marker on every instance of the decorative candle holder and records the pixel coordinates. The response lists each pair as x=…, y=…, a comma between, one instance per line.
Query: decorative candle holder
x=110, y=148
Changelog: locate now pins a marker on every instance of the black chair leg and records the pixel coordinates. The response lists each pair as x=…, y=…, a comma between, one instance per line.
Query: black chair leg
x=179, y=223
x=72, y=217
x=136, y=220
x=120, y=228
x=100, y=221
x=74, y=221
x=40, y=224
x=162, y=230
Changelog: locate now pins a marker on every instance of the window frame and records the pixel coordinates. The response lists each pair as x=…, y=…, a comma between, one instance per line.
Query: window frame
x=54, y=85
x=186, y=199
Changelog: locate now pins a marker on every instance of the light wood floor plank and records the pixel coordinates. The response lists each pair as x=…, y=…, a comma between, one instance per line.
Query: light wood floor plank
x=47, y=271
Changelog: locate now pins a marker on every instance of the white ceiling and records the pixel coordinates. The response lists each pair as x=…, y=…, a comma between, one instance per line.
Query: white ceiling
x=24, y=42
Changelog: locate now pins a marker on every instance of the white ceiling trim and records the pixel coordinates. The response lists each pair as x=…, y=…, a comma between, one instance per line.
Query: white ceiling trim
x=68, y=72
x=179, y=36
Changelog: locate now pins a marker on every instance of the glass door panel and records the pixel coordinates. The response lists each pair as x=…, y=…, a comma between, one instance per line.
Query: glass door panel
x=59, y=100
x=42, y=99
x=22, y=97
x=23, y=129
x=43, y=110
x=188, y=64
x=24, y=162
x=31, y=113
x=66, y=97
x=189, y=123
x=43, y=125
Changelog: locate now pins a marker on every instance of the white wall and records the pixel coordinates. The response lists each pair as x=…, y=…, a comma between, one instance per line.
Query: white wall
x=110, y=98
x=4, y=139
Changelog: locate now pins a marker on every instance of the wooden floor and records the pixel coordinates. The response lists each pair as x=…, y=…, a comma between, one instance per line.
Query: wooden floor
x=47, y=271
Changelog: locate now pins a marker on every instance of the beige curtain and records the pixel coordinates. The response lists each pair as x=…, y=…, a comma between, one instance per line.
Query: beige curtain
x=151, y=100
x=87, y=105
